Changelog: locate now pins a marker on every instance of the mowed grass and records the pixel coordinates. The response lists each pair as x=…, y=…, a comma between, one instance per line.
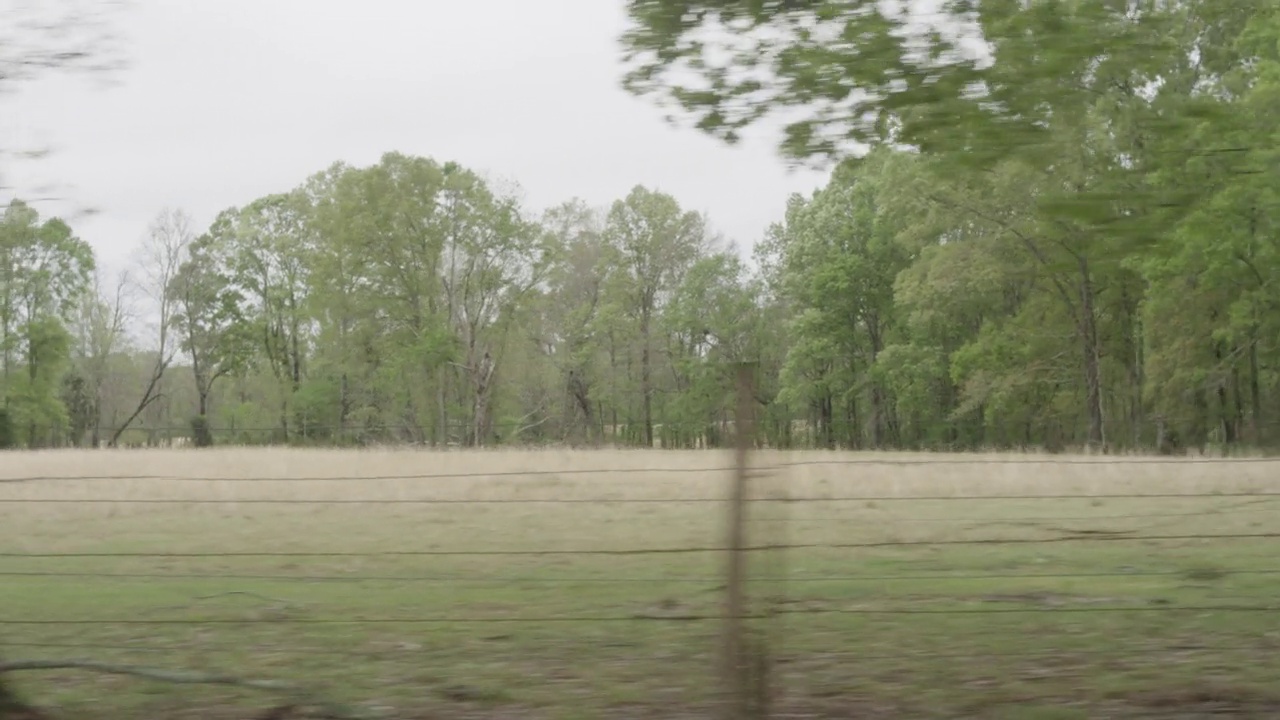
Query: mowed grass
x=583, y=584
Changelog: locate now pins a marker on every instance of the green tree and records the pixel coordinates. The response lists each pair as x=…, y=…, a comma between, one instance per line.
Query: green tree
x=44, y=271
x=864, y=72
x=376, y=284
x=839, y=256
x=493, y=259
x=570, y=333
x=37, y=395
x=707, y=327
x=1060, y=137
x=264, y=253
x=416, y=274
x=208, y=316
x=653, y=242
x=99, y=330
x=1210, y=307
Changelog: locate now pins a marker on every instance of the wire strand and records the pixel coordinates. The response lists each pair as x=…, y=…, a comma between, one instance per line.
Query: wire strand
x=1081, y=537
x=674, y=470
x=656, y=580
x=627, y=501
x=657, y=617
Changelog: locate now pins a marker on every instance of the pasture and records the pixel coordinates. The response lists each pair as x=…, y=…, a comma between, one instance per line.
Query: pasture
x=556, y=584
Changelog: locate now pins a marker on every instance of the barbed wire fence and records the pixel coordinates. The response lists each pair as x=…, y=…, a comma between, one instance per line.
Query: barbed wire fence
x=367, y=590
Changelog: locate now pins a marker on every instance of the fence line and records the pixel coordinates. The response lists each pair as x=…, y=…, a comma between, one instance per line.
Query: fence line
x=976, y=654
x=707, y=617
x=755, y=470
x=628, y=501
x=818, y=550
x=1082, y=536
x=709, y=580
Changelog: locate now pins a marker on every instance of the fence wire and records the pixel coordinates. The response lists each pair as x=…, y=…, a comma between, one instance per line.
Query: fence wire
x=485, y=587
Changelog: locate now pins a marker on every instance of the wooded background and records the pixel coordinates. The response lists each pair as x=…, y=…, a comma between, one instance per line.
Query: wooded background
x=1084, y=254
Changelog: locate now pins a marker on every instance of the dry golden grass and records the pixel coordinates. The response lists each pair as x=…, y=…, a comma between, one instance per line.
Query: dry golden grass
x=1002, y=586
x=614, y=474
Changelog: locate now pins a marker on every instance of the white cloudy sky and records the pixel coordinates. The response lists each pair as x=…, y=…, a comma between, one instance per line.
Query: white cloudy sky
x=228, y=100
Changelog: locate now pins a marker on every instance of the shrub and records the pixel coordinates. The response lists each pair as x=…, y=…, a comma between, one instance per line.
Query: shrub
x=6, y=429
x=201, y=434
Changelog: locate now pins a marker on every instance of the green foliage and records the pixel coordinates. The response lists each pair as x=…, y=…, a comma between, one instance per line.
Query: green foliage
x=44, y=271
x=839, y=255
x=1064, y=239
x=34, y=397
x=201, y=433
x=80, y=405
x=1082, y=229
x=317, y=408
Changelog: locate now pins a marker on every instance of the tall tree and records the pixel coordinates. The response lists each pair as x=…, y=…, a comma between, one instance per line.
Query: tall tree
x=653, y=243
x=707, y=326
x=377, y=282
x=164, y=249
x=265, y=249
x=839, y=256
x=570, y=333
x=493, y=258
x=99, y=332
x=44, y=271
x=207, y=318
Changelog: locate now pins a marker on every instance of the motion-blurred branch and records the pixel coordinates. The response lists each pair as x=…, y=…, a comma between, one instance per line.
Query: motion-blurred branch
x=38, y=37
x=70, y=35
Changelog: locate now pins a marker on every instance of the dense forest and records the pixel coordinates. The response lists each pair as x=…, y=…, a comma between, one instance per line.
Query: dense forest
x=1095, y=263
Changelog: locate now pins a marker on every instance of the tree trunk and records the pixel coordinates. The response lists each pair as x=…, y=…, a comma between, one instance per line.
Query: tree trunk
x=344, y=405
x=295, y=361
x=95, y=434
x=877, y=420
x=149, y=396
x=581, y=394
x=480, y=421
x=442, y=409
x=284, y=421
x=853, y=437
x=1237, y=404
x=1137, y=378
x=1225, y=426
x=1255, y=394
x=1226, y=432
x=646, y=380
x=1200, y=424
x=1092, y=361
x=826, y=425
x=481, y=378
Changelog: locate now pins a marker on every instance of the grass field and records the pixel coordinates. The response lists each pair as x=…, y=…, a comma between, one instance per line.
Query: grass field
x=1003, y=587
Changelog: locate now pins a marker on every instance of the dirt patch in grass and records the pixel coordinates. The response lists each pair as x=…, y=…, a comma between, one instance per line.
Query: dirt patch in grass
x=1208, y=699
x=1051, y=599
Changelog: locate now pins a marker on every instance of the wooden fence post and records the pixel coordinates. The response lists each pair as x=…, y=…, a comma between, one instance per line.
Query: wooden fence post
x=742, y=691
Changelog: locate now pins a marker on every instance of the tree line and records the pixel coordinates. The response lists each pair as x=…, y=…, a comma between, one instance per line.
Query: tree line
x=1072, y=243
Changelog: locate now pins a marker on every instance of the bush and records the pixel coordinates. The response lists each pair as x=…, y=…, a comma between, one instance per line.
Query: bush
x=6, y=429
x=201, y=434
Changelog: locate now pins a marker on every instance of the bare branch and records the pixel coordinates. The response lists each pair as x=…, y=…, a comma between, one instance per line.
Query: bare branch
x=166, y=246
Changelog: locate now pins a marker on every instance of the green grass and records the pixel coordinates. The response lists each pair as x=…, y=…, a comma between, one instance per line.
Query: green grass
x=908, y=624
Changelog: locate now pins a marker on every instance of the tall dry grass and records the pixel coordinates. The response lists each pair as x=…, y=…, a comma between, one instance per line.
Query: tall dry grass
x=231, y=474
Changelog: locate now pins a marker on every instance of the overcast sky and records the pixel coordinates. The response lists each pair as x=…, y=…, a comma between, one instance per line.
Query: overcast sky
x=229, y=100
